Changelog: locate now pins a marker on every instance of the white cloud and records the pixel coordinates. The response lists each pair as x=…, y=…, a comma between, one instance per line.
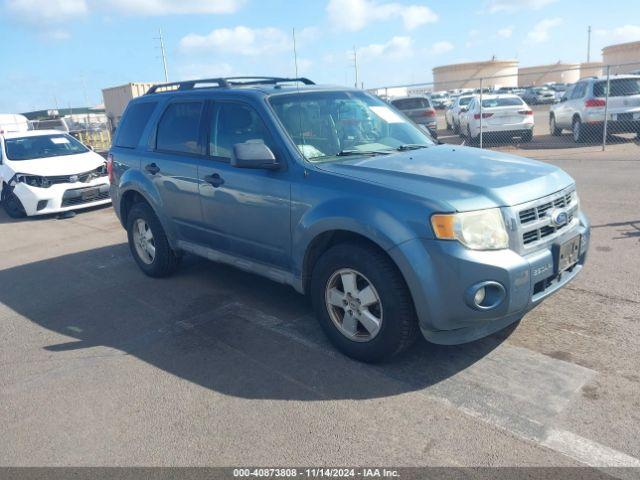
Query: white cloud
x=354, y=15
x=46, y=12
x=241, y=40
x=625, y=33
x=540, y=31
x=495, y=6
x=396, y=48
x=505, y=32
x=439, y=48
x=169, y=7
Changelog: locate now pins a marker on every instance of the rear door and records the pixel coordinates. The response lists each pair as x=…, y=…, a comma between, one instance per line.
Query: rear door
x=246, y=212
x=172, y=164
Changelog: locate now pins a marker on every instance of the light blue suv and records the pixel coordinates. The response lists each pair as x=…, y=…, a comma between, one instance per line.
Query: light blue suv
x=336, y=193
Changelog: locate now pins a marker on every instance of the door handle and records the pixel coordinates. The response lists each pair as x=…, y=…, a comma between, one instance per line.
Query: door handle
x=215, y=180
x=152, y=168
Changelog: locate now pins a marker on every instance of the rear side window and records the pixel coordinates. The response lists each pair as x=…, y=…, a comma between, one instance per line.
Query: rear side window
x=133, y=124
x=621, y=87
x=411, y=103
x=179, y=128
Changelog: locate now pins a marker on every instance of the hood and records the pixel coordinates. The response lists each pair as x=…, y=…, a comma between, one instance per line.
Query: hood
x=458, y=178
x=63, y=165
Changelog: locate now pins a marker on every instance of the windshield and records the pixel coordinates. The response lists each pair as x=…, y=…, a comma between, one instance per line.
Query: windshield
x=502, y=102
x=621, y=87
x=327, y=125
x=42, y=146
x=464, y=101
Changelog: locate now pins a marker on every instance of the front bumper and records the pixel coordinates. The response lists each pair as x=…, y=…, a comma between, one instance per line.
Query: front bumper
x=440, y=273
x=63, y=197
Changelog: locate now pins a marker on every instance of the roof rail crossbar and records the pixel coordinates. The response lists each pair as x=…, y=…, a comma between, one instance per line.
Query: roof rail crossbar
x=223, y=83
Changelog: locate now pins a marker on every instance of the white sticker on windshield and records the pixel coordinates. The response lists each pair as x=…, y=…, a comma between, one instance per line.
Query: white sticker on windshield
x=60, y=140
x=387, y=114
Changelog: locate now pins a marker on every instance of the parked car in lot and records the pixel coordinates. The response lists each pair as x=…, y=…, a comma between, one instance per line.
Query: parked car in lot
x=538, y=95
x=420, y=110
x=46, y=171
x=452, y=113
x=582, y=108
x=389, y=233
x=558, y=90
x=440, y=100
x=503, y=115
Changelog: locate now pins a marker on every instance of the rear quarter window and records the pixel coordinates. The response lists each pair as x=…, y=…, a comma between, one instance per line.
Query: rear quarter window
x=133, y=123
x=411, y=103
x=621, y=87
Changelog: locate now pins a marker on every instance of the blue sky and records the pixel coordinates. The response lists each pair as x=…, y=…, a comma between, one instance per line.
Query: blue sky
x=63, y=52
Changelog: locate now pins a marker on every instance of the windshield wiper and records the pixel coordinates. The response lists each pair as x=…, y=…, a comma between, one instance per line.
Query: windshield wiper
x=410, y=146
x=347, y=153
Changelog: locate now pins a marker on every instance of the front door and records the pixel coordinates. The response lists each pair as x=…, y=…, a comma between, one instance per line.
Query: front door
x=246, y=212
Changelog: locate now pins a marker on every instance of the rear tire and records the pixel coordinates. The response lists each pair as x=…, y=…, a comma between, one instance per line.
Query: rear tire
x=472, y=140
x=577, y=129
x=151, y=249
x=376, y=278
x=553, y=128
x=12, y=204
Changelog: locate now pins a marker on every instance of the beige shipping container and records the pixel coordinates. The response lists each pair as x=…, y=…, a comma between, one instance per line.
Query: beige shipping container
x=117, y=98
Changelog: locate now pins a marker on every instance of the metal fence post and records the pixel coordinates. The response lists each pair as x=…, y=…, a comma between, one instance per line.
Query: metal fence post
x=480, y=113
x=606, y=109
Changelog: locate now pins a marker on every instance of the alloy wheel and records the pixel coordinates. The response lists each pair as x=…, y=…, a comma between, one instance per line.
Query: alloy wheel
x=354, y=305
x=143, y=241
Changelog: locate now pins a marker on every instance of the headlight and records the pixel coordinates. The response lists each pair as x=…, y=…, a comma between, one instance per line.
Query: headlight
x=479, y=230
x=33, y=180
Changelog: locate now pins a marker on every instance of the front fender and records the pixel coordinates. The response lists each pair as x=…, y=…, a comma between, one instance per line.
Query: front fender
x=349, y=214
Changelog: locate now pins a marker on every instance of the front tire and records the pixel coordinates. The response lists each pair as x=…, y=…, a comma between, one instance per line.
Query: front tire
x=148, y=242
x=12, y=204
x=362, y=303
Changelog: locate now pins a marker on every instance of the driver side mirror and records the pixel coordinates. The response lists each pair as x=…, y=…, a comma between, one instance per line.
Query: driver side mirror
x=253, y=155
x=563, y=99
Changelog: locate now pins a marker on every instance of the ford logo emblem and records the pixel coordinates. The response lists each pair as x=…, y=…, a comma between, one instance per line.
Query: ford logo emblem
x=559, y=218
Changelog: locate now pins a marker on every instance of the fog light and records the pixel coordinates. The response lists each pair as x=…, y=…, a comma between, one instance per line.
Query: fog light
x=478, y=298
x=485, y=295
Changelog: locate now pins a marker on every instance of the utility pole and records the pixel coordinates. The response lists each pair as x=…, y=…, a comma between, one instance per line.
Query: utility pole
x=588, y=43
x=164, y=55
x=355, y=65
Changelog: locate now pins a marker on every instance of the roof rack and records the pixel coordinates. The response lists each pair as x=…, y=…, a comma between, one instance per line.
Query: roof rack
x=224, y=82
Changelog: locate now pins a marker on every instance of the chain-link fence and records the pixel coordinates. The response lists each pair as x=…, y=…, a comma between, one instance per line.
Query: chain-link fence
x=99, y=140
x=565, y=106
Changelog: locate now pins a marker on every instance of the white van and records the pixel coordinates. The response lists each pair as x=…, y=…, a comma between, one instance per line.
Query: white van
x=13, y=122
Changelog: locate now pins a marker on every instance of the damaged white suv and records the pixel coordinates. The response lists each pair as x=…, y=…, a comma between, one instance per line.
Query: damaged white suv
x=46, y=171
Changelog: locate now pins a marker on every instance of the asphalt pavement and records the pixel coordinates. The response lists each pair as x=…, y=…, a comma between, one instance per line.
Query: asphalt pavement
x=101, y=365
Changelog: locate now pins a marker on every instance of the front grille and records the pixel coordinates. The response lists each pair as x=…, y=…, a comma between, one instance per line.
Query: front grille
x=69, y=202
x=81, y=177
x=535, y=213
x=535, y=224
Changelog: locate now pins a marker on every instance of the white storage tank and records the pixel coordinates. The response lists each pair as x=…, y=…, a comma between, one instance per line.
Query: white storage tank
x=623, y=57
x=467, y=75
x=553, y=73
